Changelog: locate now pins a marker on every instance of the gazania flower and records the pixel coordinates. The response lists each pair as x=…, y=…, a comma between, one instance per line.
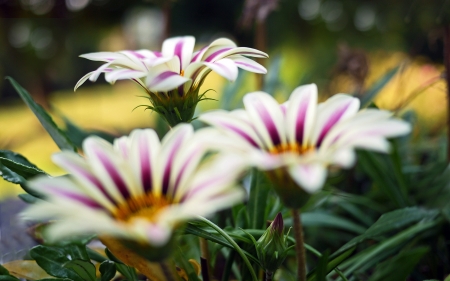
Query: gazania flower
x=173, y=77
x=139, y=189
x=297, y=140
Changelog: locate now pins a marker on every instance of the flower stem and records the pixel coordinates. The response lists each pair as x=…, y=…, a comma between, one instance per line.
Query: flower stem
x=269, y=275
x=204, y=255
x=299, y=248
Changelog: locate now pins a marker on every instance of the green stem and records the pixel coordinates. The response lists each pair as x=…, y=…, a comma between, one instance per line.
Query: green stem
x=234, y=244
x=299, y=248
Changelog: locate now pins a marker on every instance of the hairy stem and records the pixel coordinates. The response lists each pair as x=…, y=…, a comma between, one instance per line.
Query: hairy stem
x=299, y=248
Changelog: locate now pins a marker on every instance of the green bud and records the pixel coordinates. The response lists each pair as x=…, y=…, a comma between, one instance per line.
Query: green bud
x=271, y=248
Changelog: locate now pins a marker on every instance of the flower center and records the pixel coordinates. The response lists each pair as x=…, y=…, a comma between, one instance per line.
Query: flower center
x=182, y=72
x=294, y=148
x=145, y=206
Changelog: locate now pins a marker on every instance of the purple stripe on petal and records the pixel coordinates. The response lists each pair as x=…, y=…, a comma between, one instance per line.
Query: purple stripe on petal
x=268, y=122
x=200, y=52
x=240, y=133
x=136, y=54
x=92, y=179
x=88, y=202
x=216, y=53
x=162, y=76
x=178, y=52
x=334, y=118
x=183, y=168
x=158, y=54
x=146, y=169
x=114, y=175
x=248, y=65
x=300, y=121
x=167, y=169
x=181, y=90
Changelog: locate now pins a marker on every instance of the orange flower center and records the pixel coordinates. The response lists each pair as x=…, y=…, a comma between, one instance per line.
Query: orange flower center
x=294, y=148
x=145, y=206
x=182, y=73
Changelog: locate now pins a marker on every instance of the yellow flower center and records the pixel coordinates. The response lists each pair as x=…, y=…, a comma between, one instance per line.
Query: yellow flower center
x=145, y=206
x=294, y=148
x=182, y=72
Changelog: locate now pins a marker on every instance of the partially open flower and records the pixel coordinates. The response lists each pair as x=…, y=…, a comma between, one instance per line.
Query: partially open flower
x=271, y=247
x=172, y=78
x=296, y=141
x=139, y=189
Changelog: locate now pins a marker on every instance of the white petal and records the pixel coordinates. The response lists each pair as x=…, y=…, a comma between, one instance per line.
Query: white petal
x=248, y=64
x=162, y=79
x=225, y=68
x=182, y=47
x=122, y=74
x=267, y=117
x=310, y=177
x=330, y=113
x=82, y=80
x=301, y=113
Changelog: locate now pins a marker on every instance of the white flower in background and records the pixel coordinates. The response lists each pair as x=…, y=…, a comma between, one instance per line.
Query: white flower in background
x=139, y=189
x=173, y=77
x=300, y=138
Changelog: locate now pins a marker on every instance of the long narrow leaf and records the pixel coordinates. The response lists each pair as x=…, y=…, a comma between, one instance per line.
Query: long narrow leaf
x=47, y=122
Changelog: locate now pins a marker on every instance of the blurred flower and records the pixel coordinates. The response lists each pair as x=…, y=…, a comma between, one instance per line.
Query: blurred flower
x=271, y=247
x=297, y=140
x=174, y=76
x=139, y=189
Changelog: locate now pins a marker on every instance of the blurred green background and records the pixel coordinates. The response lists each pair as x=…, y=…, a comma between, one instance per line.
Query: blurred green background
x=341, y=45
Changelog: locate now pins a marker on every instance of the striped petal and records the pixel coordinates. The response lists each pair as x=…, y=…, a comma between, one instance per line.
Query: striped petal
x=301, y=113
x=336, y=109
x=182, y=47
x=108, y=168
x=230, y=123
x=217, y=53
x=267, y=117
x=248, y=64
x=145, y=147
x=162, y=79
x=225, y=68
x=78, y=167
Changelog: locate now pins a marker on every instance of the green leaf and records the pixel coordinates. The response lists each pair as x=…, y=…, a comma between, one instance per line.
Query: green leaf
x=47, y=122
x=52, y=259
x=19, y=164
x=400, y=266
x=94, y=255
x=332, y=264
x=54, y=279
x=370, y=94
x=107, y=270
x=328, y=220
x=392, y=222
x=77, y=251
x=28, y=198
x=380, y=169
x=77, y=135
x=322, y=270
x=257, y=202
x=84, y=269
x=3, y=271
x=8, y=278
x=128, y=272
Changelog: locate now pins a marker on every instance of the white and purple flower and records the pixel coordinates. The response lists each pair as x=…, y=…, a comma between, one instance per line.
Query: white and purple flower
x=302, y=137
x=138, y=189
x=172, y=76
x=177, y=65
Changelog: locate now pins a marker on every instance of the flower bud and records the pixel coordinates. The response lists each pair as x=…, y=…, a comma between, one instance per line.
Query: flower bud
x=271, y=247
